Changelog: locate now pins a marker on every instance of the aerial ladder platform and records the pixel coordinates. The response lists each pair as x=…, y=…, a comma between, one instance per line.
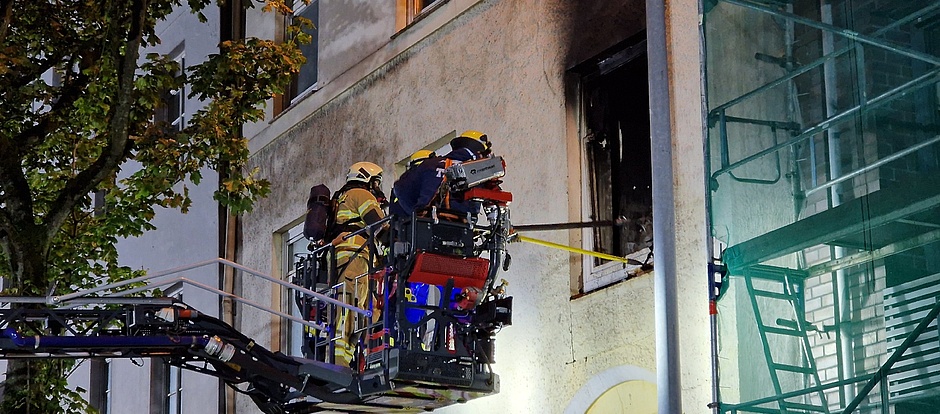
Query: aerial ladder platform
x=414, y=352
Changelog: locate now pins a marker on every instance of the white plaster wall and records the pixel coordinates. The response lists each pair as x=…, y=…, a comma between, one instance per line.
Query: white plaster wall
x=351, y=30
x=130, y=386
x=743, y=210
x=685, y=91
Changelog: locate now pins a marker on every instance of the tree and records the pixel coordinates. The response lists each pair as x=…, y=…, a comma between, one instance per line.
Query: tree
x=76, y=106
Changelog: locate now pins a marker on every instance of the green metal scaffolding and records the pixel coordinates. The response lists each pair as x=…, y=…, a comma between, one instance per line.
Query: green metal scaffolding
x=823, y=158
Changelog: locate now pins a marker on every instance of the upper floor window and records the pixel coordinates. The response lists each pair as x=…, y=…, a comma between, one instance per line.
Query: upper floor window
x=419, y=6
x=294, y=244
x=172, y=109
x=306, y=80
x=166, y=379
x=99, y=389
x=617, y=178
x=412, y=10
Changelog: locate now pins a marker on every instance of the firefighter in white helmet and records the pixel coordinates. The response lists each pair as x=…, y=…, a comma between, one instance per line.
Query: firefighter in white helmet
x=359, y=204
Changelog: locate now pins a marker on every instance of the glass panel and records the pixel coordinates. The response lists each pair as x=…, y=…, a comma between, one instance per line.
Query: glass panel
x=308, y=73
x=296, y=244
x=823, y=149
x=174, y=397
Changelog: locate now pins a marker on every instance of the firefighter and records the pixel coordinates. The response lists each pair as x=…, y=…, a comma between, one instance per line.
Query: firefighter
x=414, y=160
x=419, y=187
x=358, y=205
x=418, y=156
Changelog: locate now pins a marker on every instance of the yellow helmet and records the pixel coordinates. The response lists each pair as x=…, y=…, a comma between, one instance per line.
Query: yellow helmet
x=476, y=141
x=418, y=156
x=364, y=171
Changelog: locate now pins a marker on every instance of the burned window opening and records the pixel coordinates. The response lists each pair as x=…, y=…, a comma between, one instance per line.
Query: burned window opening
x=617, y=145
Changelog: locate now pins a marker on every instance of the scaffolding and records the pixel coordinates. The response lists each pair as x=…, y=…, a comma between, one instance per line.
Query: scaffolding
x=823, y=153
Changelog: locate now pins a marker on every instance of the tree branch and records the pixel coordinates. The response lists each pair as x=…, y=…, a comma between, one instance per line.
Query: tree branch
x=118, y=145
x=49, y=121
x=17, y=199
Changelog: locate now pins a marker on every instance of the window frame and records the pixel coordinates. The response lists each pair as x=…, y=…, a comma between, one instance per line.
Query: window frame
x=176, y=120
x=163, y=376
x=99, y=389
x=293, y=241
x=294, y=94
x=174, y=375
x=409, y=14
x=174, y=397
x=596, y=276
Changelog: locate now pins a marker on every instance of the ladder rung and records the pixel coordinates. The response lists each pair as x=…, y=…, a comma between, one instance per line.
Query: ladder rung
x=793, y=368
x=773, y=295
x=760, y=410
x=782, y=331
x=804, y=407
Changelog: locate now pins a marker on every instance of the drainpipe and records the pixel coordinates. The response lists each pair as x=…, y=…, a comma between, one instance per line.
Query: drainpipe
x=843, y=311
x=710, y=241
x=664, y=218
x=232, y=27
x=228, y=306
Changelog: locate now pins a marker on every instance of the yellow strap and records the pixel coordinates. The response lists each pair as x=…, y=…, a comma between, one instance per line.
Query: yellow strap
x=573, y=249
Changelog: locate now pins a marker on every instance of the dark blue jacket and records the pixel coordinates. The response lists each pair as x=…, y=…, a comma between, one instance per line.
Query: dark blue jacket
x=416, y=188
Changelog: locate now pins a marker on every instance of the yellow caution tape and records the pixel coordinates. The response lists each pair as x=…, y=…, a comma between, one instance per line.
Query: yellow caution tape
x=575, y=249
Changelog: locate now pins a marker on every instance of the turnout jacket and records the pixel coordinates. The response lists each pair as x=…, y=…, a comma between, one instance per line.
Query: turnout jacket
x=356, y=208
x=418, y=187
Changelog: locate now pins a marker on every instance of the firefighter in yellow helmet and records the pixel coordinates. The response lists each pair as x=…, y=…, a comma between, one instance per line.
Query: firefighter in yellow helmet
x=418, y=156
x=474, y=141
x=418, y=187
x=358, y=205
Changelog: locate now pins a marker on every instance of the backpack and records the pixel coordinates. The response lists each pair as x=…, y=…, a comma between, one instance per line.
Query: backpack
x=320, y=213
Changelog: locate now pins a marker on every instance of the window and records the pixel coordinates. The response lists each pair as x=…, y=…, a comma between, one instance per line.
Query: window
x=295, y=244
x=410, y=11
x=167, y=380
x=174, y=389
x=173, y=107
x=99, y=392
x=617, y=173
x=305, y=81
x=416, y=7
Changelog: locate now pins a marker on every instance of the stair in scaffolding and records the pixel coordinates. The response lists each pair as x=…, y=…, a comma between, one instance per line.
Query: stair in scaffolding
x=788, y=297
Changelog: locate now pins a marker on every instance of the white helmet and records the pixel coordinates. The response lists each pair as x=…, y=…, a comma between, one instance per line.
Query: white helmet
x=364, y=172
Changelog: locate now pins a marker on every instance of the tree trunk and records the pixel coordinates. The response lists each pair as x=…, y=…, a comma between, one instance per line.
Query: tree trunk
x=31, y=385
x=27, y=250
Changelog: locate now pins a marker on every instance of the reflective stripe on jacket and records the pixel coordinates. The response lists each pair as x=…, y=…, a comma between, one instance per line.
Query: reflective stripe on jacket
x=356, y=208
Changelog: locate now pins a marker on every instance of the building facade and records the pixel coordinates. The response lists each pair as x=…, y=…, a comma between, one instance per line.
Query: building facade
x=146, y=385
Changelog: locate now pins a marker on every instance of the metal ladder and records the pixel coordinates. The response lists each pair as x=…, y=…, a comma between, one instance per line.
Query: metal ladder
x=781, y=293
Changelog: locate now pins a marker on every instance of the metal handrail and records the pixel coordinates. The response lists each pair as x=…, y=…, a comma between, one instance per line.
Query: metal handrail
x=812, y=65
x=56, y=300
x=874, y=165
x=876, y=102
x=221, y=293
x=849, y=34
